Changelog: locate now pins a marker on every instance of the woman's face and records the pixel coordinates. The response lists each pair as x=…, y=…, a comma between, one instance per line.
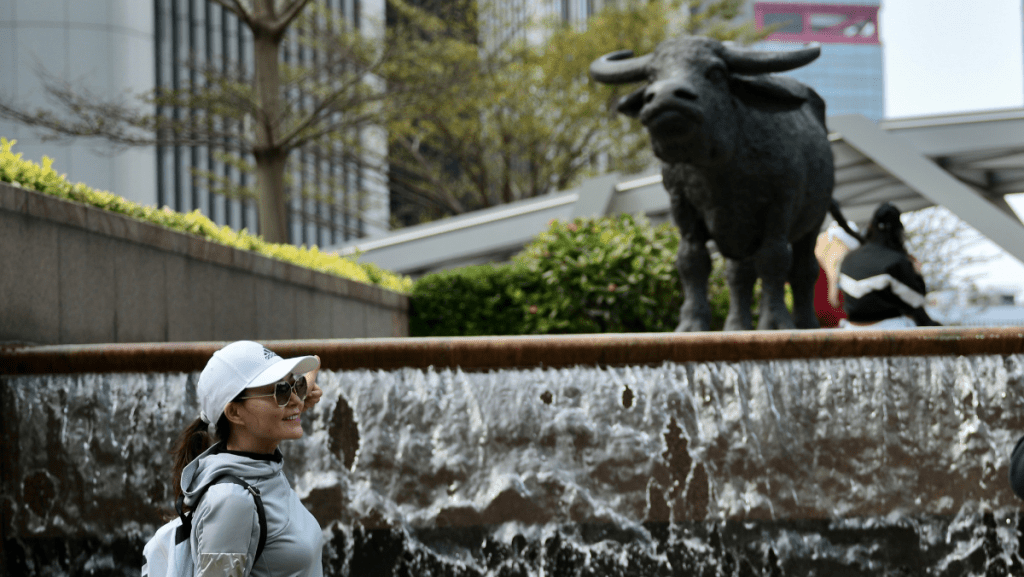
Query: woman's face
x=260, y=424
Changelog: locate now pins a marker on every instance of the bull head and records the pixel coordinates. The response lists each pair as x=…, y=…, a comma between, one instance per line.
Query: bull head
x=622, y=68
x=686, y=98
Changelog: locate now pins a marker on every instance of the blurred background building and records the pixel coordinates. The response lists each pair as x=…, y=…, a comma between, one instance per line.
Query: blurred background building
x=121, y=48
x=109, y=49
x=991, y=307
x=848, y=74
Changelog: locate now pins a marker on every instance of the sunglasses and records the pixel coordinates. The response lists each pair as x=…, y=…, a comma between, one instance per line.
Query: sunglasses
x=283, y=392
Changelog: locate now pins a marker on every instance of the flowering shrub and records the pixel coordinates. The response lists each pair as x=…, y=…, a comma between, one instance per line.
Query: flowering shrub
x=599, y=275
x=42, y=178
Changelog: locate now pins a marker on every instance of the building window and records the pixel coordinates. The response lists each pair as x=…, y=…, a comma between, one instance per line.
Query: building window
x=784, y=22
x=825, y=23
x=331, y=211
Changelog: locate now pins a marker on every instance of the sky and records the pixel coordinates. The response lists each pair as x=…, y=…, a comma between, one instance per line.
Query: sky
x=945, y=56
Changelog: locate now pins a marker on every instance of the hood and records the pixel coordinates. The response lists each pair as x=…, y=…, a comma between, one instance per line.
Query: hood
x=213, y=463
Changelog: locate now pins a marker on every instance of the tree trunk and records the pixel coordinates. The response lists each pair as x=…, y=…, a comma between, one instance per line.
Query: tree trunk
x=273, y=207
x=269, y=156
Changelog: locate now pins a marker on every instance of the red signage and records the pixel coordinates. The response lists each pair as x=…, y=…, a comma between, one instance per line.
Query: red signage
x=825, y=23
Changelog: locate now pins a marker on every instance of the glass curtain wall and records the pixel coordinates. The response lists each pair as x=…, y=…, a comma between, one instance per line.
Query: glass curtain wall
x=326, y=186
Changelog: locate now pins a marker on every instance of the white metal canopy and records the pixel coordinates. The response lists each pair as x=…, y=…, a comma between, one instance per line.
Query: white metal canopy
x=965, y=162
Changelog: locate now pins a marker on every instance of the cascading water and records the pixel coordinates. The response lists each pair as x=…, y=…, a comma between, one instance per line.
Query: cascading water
x=862, y=466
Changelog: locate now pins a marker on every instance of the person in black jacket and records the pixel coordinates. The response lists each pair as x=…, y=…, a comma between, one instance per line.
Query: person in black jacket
x=881, y=286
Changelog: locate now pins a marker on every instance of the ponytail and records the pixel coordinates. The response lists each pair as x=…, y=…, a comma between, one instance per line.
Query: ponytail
x=192, y=442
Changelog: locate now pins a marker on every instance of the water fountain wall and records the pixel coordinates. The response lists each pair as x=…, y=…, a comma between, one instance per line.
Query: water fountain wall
x=742, y=454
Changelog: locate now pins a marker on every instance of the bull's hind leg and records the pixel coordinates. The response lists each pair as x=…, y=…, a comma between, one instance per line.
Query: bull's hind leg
x=773, y=261
x=741, y=276
x=802, y=277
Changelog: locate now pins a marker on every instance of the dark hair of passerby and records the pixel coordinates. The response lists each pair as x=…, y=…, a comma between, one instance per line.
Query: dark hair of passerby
x=886, y=228
x=195, y=440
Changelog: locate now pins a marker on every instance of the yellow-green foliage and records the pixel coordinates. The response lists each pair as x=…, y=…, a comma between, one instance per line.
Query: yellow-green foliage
x=43, y=178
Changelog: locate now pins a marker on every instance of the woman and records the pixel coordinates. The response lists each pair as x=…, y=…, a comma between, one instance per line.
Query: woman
x=830, y=249
x=255, y=399
x=882, y=288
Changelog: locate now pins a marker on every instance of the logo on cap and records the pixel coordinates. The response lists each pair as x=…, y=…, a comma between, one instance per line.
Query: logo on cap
x=268, y=354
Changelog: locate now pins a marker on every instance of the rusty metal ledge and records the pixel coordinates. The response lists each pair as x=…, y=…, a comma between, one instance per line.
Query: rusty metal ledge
x=483, y=353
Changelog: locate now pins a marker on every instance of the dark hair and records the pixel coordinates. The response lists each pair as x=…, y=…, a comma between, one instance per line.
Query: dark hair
x=193, y=441
x=886, y=228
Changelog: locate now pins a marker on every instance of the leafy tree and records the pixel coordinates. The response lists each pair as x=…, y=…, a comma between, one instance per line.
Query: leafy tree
x=475, y=118
x=947, y=248
x=718, y=19
x=282, y=106
x=521, y=119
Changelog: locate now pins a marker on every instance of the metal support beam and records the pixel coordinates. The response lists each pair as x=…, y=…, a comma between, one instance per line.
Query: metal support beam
x=595, y=194
x=999, y=201
x=903, y=162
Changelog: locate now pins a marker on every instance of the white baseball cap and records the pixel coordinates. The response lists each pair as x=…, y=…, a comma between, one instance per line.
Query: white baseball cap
x=239, y=366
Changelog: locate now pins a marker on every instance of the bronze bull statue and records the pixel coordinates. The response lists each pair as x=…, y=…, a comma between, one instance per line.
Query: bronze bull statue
x=747, y=163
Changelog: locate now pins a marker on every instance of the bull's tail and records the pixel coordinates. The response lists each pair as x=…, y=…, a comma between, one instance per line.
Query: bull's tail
x=837, y=214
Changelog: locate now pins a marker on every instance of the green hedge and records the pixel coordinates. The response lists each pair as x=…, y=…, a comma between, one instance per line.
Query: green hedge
x=473, y=300
x=585, y=276
x=42, y=178
x=593, y=275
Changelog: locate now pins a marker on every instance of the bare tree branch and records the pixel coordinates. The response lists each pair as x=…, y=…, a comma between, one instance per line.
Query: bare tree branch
x=946, y=247
x=236, y=8
x=288, y=14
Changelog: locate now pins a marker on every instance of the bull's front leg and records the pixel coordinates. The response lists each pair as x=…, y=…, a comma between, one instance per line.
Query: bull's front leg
x=741, y=276
x=773, y=262
x=694, y=264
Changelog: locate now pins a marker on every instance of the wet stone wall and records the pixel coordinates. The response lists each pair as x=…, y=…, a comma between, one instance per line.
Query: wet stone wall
x=863, y=466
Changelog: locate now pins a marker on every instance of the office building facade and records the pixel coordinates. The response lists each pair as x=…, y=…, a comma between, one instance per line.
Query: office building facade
x=848, y=74
x=118, y=49
x=121, y=48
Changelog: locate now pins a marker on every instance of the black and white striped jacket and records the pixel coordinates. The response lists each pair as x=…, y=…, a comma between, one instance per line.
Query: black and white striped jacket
x=879, y=283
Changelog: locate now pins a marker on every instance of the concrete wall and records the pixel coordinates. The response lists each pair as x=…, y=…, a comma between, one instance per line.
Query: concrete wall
x=71, y=274
x=105, y=47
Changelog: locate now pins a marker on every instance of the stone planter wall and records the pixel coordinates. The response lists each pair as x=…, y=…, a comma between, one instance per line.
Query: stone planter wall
x=74, y=274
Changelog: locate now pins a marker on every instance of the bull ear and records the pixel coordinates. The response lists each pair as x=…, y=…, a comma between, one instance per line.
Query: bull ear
x=777, y=88
x=630, y=105
x=777, y=91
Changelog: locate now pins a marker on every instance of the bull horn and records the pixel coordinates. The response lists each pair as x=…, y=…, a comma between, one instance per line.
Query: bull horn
x=762, y=62
x=620, y=68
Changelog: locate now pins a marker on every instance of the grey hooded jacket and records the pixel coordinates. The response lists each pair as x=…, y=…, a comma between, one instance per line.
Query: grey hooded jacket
x=225, y=527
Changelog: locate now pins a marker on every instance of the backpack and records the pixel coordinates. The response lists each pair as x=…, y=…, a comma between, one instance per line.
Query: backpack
x=168, y=553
